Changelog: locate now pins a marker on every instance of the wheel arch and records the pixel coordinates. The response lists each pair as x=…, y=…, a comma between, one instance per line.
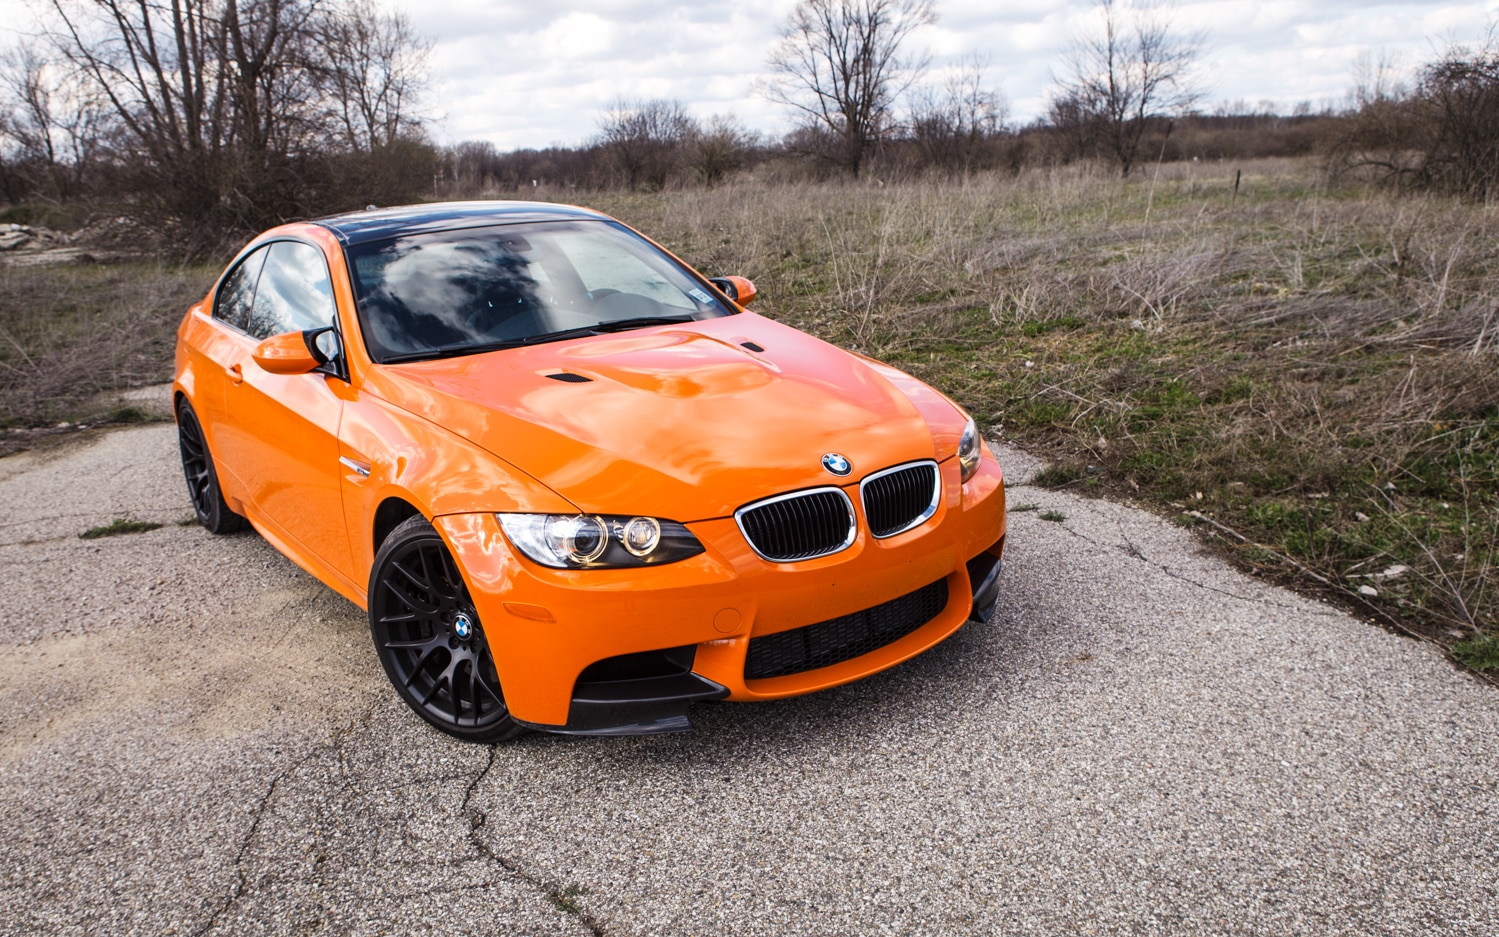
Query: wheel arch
x=389, y=515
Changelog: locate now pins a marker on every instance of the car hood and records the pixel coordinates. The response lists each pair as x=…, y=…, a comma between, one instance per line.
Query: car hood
x=681, y=422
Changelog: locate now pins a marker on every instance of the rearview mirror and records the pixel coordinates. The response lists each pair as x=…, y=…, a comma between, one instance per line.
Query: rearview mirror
x=738, y=289
x=292, y=352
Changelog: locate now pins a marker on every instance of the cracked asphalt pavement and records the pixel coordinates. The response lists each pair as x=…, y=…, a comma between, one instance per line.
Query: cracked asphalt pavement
x=196, y=738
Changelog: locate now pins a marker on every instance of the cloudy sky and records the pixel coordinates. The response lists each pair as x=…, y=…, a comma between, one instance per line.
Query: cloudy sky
x=529, y=74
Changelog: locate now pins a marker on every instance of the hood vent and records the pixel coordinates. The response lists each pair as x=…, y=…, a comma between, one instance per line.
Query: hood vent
x=568, y=378
x=751, y=346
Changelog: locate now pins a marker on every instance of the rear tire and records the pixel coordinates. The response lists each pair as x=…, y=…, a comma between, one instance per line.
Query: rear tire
x=429, y=640
x=202, y=481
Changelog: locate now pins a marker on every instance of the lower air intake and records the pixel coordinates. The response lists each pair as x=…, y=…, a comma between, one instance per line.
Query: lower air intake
x=839, y=639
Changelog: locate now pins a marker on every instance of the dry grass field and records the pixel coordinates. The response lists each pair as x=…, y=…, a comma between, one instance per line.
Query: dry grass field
x=71, y=332
x=1308, y=373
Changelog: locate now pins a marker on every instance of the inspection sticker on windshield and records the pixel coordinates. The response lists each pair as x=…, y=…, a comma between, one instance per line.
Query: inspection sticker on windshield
x=700, y=296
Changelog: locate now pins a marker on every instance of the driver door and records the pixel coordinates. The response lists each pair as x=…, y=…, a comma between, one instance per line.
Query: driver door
x=281, y=436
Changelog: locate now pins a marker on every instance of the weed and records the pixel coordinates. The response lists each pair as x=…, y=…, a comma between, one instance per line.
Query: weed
x=1480, y=653
x=126, y=414
x=1052, y=515
x=565, y=899
x=1022, y=508
x=120, y=525
x=1057, y=476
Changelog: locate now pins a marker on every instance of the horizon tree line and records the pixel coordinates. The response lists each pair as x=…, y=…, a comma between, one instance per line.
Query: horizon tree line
x=210, y=115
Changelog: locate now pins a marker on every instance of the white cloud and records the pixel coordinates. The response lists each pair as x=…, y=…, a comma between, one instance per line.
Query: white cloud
x=532, y=74
x=534, y=78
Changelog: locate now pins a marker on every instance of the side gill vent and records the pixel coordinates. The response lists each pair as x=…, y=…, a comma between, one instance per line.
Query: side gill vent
x=751, y=346
x=567, y=378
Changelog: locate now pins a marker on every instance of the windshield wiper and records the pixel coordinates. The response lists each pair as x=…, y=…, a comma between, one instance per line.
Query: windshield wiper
x=617, y=325
x=449, y=351
x=640, y=322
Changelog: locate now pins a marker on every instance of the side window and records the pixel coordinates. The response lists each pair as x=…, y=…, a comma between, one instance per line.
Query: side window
x=294, y=294
x=238, y=292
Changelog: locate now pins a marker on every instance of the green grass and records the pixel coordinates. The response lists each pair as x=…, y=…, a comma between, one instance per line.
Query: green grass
x=118, y=526
x=565, y=899
x=1054, y=516
x=1481, y=653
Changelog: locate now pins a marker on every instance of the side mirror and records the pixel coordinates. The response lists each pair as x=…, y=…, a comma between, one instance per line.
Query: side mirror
x=738, y=289
x=295, y=352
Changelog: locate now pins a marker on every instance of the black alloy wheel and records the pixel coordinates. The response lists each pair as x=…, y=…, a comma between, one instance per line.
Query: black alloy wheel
x=429, y=640
x=202, y=481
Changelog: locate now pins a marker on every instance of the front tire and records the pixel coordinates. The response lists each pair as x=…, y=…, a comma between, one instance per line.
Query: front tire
x=429, y=640
x=202, y=481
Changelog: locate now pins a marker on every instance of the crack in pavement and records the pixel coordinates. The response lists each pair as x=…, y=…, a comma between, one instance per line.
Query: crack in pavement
x=561, y=897
x=244, y=846
x=334, y=741
x=1128, y=548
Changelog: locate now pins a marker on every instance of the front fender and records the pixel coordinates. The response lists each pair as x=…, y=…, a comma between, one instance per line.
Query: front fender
x=430, y=468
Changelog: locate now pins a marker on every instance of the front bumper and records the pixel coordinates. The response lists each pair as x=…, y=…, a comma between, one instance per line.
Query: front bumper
x=550, y=630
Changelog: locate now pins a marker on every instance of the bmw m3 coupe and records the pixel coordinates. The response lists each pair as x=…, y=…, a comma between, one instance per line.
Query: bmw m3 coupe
x=576, y=484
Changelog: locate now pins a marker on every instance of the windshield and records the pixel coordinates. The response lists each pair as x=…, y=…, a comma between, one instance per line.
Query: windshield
x=436, y=294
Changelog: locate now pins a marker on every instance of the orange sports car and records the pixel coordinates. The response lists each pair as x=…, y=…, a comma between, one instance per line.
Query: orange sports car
x=575, y=484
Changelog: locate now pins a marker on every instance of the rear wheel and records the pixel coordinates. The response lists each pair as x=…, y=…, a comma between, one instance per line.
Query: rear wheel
x=429, y=640
x=202, y=481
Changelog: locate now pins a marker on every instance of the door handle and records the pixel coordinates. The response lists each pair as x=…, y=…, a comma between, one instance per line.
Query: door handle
x=236, y=373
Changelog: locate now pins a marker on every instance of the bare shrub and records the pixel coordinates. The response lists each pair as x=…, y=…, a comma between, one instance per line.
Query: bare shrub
x=1441, y=134
x=645, y=140
x=720, y=148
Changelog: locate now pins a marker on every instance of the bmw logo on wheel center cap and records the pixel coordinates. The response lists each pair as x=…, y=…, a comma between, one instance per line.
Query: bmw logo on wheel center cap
x=837, y=464
x=463, y=626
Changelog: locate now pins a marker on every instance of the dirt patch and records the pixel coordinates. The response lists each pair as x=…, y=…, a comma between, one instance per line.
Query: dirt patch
x=217, y=636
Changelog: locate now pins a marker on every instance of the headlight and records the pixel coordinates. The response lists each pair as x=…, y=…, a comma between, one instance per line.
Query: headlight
x=970, y=450
x=598, y=541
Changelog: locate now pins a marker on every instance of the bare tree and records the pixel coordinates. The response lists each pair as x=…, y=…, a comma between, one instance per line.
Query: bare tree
x=839, y=65
x=645, y=139
x=212, y=97
x=1377, y=80
x=1135, y=69
x=52, y=122
x=954, y=123
x=371, y=69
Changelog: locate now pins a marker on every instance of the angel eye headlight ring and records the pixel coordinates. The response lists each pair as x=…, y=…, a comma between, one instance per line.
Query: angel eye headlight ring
x=641, y=536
